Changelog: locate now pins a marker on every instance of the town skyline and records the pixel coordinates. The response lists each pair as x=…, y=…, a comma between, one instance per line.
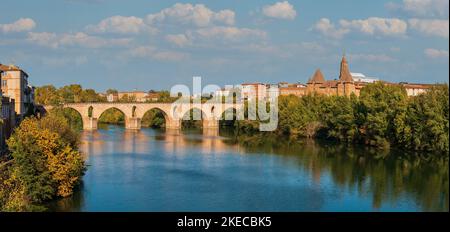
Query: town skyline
x=157, y=45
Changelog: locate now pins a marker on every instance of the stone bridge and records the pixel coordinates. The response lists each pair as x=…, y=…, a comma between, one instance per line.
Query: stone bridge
x=134, y=112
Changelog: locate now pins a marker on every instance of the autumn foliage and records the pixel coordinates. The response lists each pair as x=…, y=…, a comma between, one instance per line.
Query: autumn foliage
x=44, y=164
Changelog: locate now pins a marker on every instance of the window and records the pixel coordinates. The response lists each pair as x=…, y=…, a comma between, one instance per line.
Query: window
x=4, y=83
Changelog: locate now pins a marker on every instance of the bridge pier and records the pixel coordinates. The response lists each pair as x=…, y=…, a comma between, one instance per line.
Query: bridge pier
x=210, y=127
x=133, y=123
x=90, y=123
x=210, y=124
x=173, y=124
x=211, y=132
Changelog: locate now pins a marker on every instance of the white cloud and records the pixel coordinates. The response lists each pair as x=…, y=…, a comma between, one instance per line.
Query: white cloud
x=430, y=27
x=435, y=53
x=180, y=40
x=230, y=33
x=280, y=10
x=63, y=61
x=372, y=57
x=225, y=16
x=120, y=24
x=287, y=50
x=371, y=26
x=23, y=24
x=423, y=8
x=156, y=54
x=376, y=26
x=325, y=27
x=212, y=37
x=198, y=15
x=80, y=39
x=43, y=38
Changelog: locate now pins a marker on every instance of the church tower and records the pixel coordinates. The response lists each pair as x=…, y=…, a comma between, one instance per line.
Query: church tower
x=315, y=82
x=346, y=85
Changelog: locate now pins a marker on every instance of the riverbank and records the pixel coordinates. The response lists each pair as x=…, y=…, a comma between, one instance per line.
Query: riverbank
x=383, y=116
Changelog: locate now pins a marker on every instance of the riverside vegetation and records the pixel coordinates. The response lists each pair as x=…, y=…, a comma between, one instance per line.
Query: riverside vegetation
x=382, y=116
x=43, y=164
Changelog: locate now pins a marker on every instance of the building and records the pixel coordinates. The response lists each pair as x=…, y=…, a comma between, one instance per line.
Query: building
x=112, y=97
x=344, y=86
x=132, y=96
x=298, y=90
x=152, y=96
x=137, y=96
x=14, y=83
x=359, y=77
x=347, y=84
x=413, y=89
x=253, y=91
x=222, y=92
x=8, y=119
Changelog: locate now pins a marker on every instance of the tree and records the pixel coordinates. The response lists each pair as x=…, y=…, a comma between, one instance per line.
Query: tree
x=113, y=116
x=89, y=95
x=47, y=95
x=70, y=93
x=72, y=117
x=299, y=117
x=379, y=105
x=154, y=118
x=127, y=98
x=111, y=91
x=45, y=163
x=338, y=117
x=424, y=124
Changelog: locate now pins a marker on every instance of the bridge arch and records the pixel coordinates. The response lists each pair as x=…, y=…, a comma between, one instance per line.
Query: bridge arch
x=227, y=108
x=156, y=110
x=112, y=110
x=74, y=121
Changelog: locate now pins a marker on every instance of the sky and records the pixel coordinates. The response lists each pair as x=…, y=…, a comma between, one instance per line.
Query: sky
x=156, y=44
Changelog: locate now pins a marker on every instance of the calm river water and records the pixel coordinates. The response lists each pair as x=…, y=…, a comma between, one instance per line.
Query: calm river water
x=155, y=170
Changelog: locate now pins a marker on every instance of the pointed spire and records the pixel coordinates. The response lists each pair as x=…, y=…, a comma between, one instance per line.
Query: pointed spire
x=344, y=74
x=317, y=78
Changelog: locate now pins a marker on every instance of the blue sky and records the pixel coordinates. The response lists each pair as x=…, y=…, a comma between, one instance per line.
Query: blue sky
x=143, y=44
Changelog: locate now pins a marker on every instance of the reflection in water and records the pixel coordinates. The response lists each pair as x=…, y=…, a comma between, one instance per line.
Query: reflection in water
x=388, y=176
x=157, y=170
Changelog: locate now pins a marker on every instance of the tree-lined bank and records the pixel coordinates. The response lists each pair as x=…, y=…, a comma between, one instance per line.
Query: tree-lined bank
x=382, y=116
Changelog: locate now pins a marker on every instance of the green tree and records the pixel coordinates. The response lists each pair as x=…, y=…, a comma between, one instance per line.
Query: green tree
x=424, y=124
x=45, y=164
x=112, y=116
x=154, y=118
x=379, y=105
x=111, y=91
x=47, y=95
x=70, y=93
x=338, y=117
x=127, y=98
x=89, y=95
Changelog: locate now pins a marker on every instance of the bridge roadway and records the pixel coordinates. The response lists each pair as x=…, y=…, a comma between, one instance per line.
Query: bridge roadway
x=134, y=112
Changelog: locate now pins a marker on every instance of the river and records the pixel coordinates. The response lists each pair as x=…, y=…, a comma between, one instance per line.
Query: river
x=157, y=170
